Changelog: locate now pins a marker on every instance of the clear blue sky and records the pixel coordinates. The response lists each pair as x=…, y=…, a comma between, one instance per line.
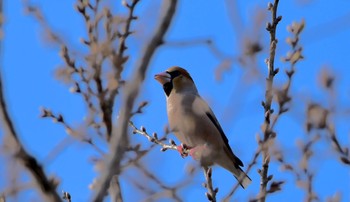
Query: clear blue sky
x=28, y=69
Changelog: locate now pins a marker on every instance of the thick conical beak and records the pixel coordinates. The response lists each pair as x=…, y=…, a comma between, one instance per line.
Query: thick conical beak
x=163, y=78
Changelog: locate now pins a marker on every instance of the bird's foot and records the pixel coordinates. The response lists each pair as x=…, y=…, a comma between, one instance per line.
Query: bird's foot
x=184, y=150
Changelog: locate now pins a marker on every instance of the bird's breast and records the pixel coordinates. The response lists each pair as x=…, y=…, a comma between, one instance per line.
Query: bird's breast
x=185, y=124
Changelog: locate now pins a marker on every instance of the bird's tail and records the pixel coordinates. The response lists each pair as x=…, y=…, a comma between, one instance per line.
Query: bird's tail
x=242, y=177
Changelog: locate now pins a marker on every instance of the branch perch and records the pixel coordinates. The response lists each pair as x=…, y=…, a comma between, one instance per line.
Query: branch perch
x=211, y=194
x=153, y=138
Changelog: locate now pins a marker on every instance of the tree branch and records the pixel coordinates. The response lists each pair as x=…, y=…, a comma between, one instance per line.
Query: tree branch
x=153, y=138
x=47, y=186
x=211, y=194
x=119, y=140
x=267, y=130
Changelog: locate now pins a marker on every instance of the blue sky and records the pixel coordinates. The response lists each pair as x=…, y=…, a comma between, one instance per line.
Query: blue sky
x=28, y=69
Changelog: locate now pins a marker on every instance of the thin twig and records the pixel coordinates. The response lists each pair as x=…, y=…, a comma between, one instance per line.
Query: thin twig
x=343, y=152
x=283, y=98
x=208, y=42
x=283, y=95
x=303, y=175
x=153, y=138
x=92, y=20
x=118, y=58
x=268, y=133
x=47, y=113
x=211, y=194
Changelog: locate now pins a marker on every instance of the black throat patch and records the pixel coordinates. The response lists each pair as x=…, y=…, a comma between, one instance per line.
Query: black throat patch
x=168, y=87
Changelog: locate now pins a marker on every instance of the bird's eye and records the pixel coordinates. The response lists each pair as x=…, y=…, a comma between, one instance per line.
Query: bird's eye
x=174, y=74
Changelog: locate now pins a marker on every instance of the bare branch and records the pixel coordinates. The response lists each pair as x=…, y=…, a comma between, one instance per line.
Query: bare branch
x=343, y=152
x=283, y=96
x=46, y=185
x=153, y=138
x=47, y=113
x=268, y=133
x=211, y=194
x=114, y=190
x=119, y=140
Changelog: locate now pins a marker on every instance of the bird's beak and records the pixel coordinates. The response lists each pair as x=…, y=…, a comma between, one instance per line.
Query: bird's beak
x=163, y=77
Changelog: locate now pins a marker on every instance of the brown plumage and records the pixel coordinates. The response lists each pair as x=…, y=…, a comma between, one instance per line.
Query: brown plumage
x=195, y=125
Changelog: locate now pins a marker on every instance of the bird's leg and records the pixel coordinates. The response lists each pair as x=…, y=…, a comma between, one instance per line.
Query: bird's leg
x=196, y=152
x=184, y=150
x=192, y=152
x=200, y=153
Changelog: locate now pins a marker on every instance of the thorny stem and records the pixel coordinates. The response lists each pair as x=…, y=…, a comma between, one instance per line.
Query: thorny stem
x=271, y=27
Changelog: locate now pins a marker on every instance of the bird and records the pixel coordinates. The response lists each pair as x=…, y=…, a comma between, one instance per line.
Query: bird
x=195, y=125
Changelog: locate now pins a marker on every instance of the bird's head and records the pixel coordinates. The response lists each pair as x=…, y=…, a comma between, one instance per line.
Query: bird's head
x=176, y=79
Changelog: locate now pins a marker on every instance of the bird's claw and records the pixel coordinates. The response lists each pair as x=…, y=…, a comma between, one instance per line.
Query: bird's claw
x=183, y=150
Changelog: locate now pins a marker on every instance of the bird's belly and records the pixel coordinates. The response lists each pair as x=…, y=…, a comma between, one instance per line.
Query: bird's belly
x=189, y=131
x=192, y=131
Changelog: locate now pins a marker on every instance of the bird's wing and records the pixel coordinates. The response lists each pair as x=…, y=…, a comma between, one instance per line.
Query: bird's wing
x=201, y=106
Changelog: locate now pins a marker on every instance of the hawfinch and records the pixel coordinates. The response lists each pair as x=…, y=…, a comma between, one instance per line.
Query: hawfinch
x=195, y=125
